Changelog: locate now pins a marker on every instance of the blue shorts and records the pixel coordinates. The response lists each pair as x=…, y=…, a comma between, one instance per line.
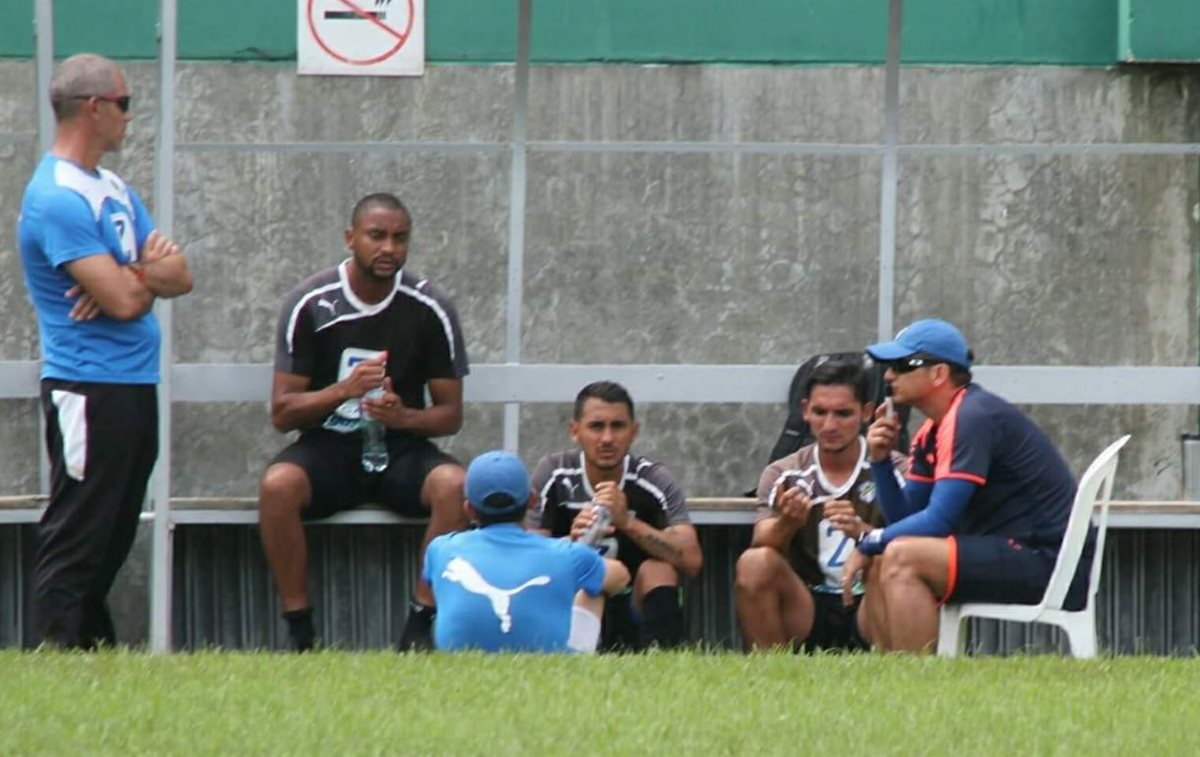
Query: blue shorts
x=1000, y=569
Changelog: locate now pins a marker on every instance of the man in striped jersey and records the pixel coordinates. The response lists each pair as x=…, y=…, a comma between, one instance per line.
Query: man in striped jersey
x=651, y=532
x=814, y=504
x=363, y=324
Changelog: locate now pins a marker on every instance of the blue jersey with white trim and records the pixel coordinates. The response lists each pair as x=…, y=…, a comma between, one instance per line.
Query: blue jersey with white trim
x=69, y=213
x=325, y=329
x=504, y=589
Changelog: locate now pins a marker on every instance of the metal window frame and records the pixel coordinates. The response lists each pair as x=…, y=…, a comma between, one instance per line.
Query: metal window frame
x=514, y=383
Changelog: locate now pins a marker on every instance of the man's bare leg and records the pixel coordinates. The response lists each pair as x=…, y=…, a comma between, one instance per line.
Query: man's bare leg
x=870, y=616
x=656, y=598
x=774, y=607
x=443, y=494
x=914, y=576
x=283, y=493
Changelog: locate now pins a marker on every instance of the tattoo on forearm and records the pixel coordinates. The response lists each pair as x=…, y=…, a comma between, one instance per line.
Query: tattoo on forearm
x=657, y=546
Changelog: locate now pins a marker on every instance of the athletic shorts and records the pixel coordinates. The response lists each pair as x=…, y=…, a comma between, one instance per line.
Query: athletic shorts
x=835, y=626
x=333, y=463
x=1003, y=570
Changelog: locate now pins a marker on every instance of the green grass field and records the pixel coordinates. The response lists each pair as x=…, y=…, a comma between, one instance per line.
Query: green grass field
x=337, y=702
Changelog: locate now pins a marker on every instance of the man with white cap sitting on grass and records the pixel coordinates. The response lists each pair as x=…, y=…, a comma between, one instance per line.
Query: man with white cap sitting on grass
x=501, y=588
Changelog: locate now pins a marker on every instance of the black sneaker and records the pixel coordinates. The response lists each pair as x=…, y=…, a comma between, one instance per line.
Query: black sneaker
x=418, y=629
x=300, y=629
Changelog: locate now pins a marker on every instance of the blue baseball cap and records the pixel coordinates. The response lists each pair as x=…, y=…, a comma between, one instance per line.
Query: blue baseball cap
x=932, y=337
x=497, y=483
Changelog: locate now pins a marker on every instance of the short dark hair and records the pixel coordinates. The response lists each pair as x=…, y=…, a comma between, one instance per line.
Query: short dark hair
x=839, y=373
x=959, y=376
x=605, y=391
x=378, y=200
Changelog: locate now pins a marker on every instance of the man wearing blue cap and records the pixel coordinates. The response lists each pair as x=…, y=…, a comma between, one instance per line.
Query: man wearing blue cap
x=501, y=588
x=982, y=513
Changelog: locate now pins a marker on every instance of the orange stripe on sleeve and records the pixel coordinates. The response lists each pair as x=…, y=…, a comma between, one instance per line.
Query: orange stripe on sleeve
x=980, y=480
x=951, y=571
x=945, y=436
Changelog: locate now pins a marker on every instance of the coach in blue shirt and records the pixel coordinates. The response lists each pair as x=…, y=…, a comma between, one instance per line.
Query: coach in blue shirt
x=983, y=510
x=503, y=588
x=94, y=265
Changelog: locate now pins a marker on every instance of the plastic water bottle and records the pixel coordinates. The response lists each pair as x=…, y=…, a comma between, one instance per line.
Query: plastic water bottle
x=374, y=437
x=599, y=528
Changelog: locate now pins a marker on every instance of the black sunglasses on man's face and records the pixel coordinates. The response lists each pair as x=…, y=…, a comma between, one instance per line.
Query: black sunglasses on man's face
x=910, y=364
x=121, y=102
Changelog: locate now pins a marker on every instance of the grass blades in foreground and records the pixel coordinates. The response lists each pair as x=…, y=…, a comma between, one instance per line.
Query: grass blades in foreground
x=353, y=703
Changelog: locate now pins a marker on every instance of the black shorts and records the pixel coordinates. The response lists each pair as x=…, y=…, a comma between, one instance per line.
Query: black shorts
x=333, y=463
x=835, y=626
x=999, y=569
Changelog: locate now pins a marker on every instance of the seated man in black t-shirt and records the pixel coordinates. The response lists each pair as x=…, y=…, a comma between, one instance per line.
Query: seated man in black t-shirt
x=362, y=325
x=651, y=532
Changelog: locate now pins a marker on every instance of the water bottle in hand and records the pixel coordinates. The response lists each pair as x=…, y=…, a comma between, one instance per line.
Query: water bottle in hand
x=601, y=518
x=374, y=437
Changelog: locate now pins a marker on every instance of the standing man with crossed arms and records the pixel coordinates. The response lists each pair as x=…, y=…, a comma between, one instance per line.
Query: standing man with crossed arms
x=94, y=265
x=363, y=324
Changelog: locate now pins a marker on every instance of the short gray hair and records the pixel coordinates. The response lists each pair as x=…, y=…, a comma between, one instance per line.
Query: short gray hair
x=85, y=74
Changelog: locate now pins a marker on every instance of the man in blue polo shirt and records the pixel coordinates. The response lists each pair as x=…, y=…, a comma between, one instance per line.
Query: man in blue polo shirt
x=94, y=265
x=501, y=588
x=986, y=501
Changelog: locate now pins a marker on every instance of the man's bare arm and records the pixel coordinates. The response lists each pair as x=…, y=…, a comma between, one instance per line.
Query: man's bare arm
x=792, y=507
x=293, y=407
x=678, y=545
x=442, y=418
x=775, y=532
x=115, y=289
x=164, y=267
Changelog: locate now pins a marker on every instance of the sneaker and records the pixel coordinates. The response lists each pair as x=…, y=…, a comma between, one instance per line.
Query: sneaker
x=418, y=629
x=300, y=629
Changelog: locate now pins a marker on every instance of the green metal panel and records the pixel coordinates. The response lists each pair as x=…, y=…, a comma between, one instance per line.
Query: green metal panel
x=1159, y=30
x=1073, y=32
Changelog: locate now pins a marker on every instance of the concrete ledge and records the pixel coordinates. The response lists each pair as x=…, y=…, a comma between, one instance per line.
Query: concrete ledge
x=706, y=511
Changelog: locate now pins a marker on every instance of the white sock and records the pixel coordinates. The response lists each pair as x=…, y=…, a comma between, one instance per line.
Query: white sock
x=585, y=630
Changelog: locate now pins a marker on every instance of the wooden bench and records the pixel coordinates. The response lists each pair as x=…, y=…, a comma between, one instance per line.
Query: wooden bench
x=705, y=511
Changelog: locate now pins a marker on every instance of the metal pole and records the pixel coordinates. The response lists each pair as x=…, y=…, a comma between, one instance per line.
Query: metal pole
x=516, y=219
x=891, y=176
x=164, y=203
x=43, y=33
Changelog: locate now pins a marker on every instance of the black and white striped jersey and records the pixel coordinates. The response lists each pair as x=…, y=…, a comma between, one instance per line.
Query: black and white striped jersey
x=325, y=329
x=562, y=488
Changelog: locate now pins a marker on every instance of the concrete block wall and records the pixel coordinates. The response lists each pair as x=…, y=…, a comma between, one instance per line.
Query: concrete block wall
x=1081, y=260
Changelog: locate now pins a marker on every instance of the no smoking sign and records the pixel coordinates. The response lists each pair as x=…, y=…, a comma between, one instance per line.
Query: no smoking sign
x=361, y=37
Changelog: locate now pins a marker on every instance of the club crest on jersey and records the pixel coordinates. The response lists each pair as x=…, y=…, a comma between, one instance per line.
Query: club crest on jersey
x=866, y=491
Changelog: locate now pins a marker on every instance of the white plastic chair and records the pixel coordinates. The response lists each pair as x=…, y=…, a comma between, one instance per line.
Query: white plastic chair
x=1095, y=490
